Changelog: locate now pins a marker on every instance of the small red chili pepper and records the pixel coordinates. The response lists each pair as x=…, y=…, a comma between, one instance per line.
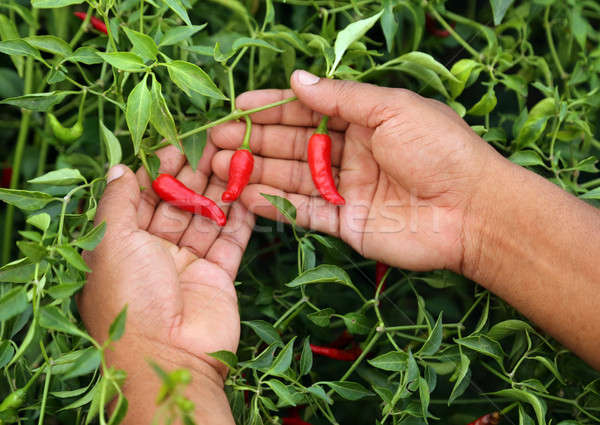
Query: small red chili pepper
x=240, y=167
x=171, y=190
x=6, y=177
x=96, y=23
x=319, y=160
x=336, y=353
x=489, y=419
x=432, y=28
x=380, y=270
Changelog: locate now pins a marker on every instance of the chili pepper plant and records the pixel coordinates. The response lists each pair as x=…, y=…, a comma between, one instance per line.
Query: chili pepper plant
x=88, y=84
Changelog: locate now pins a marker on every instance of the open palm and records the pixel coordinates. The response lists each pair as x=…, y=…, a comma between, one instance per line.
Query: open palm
x=174, y=270
x=407, y=168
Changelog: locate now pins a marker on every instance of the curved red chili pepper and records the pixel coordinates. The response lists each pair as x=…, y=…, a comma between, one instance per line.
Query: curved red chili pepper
x=336, y=353
x=96, y=23
x=176, y=193
x=380, y=270
x=489, y=419
x=343, y=340
x=319, y=161
x=432, y=28
x=240, y=169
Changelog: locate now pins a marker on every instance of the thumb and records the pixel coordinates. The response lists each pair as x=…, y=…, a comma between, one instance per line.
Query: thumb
x=358, y=103
x=120, y=201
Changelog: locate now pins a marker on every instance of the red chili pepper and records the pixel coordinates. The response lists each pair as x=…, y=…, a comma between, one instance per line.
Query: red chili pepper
x=319, y=160
x=240, y=169
x=432, y=28
x=489, y=419
x=176, y=193
x=96, y=23
x=293, y=421
x=380, y=270
x=6, y=177
x=336, y=353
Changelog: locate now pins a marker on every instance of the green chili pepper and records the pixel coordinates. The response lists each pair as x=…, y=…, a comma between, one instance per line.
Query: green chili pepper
x=14, y=400
x=65, y=134
x=8, y=416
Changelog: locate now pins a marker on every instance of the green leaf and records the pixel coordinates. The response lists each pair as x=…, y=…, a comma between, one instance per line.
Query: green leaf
x=592, y=194
x=485, y=105
x=19, y=48
x=357, y=323
x=19, y=271
x=395, y=361
x=179, y=9
x=306, y=359
x=322, y=317
x=527, y=158
x=285, y=207
x=9, y=31
x=319, y=392
x=25, y=199
x=87, y=55
x=508, y=327
x=177, y=34
x=281, y=390
x=73, y=257
x=12, y=303
x=48, y=4
x=160, y=116
x=539, y=407
x=264, y=330
x=91, y=238
x=117, y=327
x=424, y=397
x=484, y=345
x=551, y=366
x=125, y=61
x=40, y=102
x=263, y=360
x=189, y=77
x=65, y=290
x=325, y=273
x=389, y=24
x=349, y=35
x=283, y=360
x=62, y=177
x=143, y=45
x=228, y=358
x=6, y=352
x=137, y=113
x=113, y=146
x=462, y=71
x=193, y=146
x=579, y=26
x=432, y=345
x=50, y=44
x=87, y=361
x=499, y=8
x=349, y=390
x=41, y=221
x=463, y=378
x=536, y=121
x=109, y=393
x=52, y=318
x=428, y=62
x=248, y=42
x=32, y=250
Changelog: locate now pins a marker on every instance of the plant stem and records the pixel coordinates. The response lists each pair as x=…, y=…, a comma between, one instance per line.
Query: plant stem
x=21, y=140
x=236, y=115
x=45, y=394
x=453, y=33
x=553, y=52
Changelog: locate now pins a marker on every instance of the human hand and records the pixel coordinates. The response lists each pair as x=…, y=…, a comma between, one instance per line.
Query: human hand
x=175, y=272
x=408, y=167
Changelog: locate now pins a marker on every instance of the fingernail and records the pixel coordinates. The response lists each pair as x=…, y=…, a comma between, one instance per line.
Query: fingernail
x=114, y=173
x=306, y=78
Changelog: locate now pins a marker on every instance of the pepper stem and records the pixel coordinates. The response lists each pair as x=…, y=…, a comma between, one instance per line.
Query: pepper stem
x=246, y=142
x=322, y=128
x=80, y=114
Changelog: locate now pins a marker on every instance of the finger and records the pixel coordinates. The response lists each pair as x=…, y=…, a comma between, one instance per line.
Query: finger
x=312, y=212
x=289, y=176
x=202, y=232
x=228, y=249
x=171, y=162
x=274, y=141
x=170, y=222
x=359, y=103
x=120, y=201
x=293, y=113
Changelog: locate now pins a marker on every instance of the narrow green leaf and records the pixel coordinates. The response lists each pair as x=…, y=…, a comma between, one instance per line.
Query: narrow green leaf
x=12, y=303
x=92, y=238
x=143, y=45
x=25, y=199
x=264, y=330
x=160, y=116
x=190, y=77
x=113, y=146
x=125, y=61
x=432, y=345
x=228, y=358
x=117, y=327
x=178, y=34
x=285, y=207
x=137, y=113
x=62, y=177
x=73, y=257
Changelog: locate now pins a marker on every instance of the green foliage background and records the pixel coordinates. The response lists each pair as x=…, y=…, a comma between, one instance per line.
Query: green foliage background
x=436, y=347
